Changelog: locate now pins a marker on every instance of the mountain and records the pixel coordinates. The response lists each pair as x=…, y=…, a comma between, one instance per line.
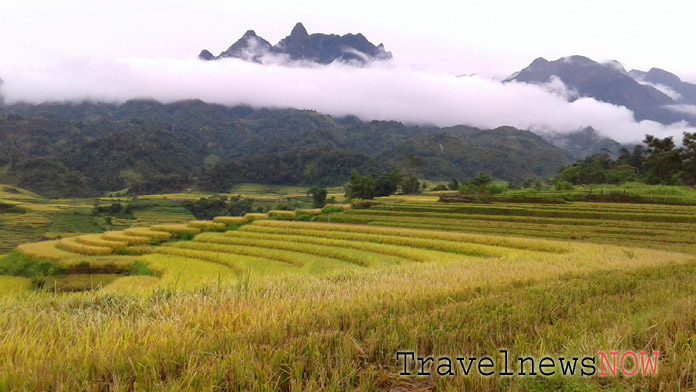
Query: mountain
x=668, y=83
x=302, y=46
x=607, y=82
x=583, y=143
x=63, y=150
x=463, y=152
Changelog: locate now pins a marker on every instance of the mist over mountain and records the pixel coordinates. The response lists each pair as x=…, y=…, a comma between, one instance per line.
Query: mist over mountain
x=302, y=46
x=656, y=95
x=583, y=143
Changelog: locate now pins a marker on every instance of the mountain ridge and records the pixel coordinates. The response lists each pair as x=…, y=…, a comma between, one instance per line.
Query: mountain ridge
x=607, y=82
x=301, y=46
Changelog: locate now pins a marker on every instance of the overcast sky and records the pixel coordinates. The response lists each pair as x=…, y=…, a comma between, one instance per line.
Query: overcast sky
x=67, y=49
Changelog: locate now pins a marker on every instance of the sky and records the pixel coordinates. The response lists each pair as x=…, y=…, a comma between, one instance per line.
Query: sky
x=74, y=49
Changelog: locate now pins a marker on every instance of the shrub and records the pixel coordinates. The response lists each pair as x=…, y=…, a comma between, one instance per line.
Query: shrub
x=564, y=186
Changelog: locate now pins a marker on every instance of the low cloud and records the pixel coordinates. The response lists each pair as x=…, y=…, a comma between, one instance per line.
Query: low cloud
x=383, y=90
x=686, y=109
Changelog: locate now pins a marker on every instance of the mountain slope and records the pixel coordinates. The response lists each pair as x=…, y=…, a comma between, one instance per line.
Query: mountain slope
x=607, y=82
x=149, y=146
x=659, y=78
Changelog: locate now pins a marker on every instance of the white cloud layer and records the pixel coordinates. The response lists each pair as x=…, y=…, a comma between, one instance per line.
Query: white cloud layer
x=385, y=91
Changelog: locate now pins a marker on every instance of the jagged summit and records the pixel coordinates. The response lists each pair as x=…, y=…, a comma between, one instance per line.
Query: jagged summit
x=299, y=30
x=302, y=46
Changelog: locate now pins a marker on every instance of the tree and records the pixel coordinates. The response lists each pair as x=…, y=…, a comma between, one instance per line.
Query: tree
x=454, y=184
x=388, y=183
x=318, y=196
x=481, y=179
x=410, y=185
x=689, y=158
x=663, y=162
x=360, y=187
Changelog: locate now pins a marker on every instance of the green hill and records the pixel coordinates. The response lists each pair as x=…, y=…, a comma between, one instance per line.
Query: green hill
x=92, y=148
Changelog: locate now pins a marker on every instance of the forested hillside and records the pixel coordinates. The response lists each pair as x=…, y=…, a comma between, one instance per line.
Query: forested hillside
x=91, y=148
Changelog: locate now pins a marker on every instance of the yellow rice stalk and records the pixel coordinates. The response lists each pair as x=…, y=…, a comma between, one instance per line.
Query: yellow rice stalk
x=122, y=237
x=344, y=207
x=281, y=214
x=145, y=232
x=44, y=250
x=141, y=249
x=255, y=216
x=205, y=225
x=231, y=220
x=176, y=229
x=98, y=240
x=494, y=240
x=308, y=211
x=71, y=245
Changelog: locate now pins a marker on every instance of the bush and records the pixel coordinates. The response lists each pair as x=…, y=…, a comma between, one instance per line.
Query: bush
x=564, y=186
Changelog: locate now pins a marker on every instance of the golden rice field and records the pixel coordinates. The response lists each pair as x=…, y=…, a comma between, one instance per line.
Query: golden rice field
x=270, y=302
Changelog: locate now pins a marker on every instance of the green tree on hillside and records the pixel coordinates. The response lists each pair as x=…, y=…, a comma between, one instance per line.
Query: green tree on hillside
x=663, y=162
x=360, y=187
x=388, y=183
x=318, y=196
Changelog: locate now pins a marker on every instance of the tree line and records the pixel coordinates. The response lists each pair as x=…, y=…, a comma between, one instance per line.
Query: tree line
x=659, y=162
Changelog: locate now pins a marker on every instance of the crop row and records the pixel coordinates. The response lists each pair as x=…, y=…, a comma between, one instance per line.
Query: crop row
x=97, y=240
x=204, y=225
x=215, y=257
x=360, y=257
x=262, y=255
x=665, y=242
x=72, y=245
x=337, y=229
x=619, y=229
x=408, y=248
x=368, y=215
x=176, y=228
x=148, y=233
x=576, y=206
x=120, y=236
x=478, y=209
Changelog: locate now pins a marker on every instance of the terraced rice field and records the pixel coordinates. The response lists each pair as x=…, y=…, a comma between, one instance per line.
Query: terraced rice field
x=664, y=227
x=267, y=302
